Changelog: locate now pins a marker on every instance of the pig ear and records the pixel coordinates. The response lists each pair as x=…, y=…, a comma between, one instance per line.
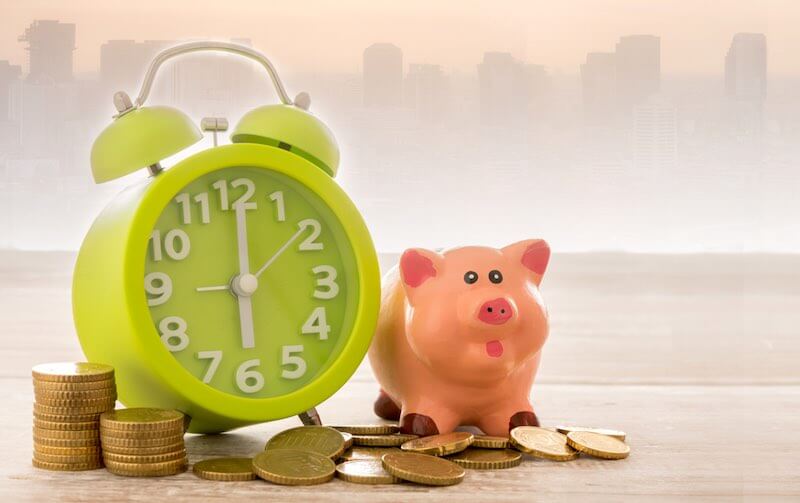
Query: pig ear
x=534, y=254
x=417, y=266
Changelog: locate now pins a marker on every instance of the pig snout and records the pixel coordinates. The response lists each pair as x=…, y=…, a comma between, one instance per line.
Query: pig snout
x=496, y=312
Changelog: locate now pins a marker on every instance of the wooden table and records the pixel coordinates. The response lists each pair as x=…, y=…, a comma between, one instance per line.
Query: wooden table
x=695, y=357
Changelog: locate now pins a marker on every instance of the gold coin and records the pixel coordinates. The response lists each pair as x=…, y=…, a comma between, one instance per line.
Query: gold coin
x=395, y=440
x=357, y=452
x=489, y=442
x=487, y=459
x=95, y=408
x=368, y=429
x=440, y=445
x=602, y=431
x=144, y=451
x=55, y=458
x=67, y=467
x=225, y=469
x=365, y=471
x=68, y=418
x=67, y=451
x=141, y=434
x=66, y=434
x=56, y=398
x=597, y=445
x=60, y=426
x=139, y=442
x=67, y=442
x=293, y=467
x=141, y=418
x=321, y=439
x=348, y=439
x=147, y=470
x=144, y=459
x=72, y=372
x=423, y=469
x=542, y=443
x=107, y=385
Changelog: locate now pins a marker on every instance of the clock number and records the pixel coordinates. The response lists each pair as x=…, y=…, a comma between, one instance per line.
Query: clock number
x=173, y=333
x=186, y=210
x=160, y=285
x=174, y=250
x=280, y=209
x=309, y=243
x=215, y=357
x=202, y=200
x=222, y=187
x=250, y=189
x=155, y=241
x=248, y=379
x=328, y=282
x=289, y=358
x=317, y=324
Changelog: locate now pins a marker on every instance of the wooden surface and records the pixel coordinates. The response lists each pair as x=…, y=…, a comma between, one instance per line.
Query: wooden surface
x=696, y=358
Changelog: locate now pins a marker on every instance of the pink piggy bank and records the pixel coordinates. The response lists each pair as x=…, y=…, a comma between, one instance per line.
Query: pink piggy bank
x=459, y=338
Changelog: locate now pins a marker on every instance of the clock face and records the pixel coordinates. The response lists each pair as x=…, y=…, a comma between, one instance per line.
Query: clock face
x=251, y=282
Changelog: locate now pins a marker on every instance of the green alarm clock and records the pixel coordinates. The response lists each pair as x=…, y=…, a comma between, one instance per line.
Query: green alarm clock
x=241, y=284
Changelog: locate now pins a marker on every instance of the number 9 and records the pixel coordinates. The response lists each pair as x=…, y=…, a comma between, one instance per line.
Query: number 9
x=160, y=285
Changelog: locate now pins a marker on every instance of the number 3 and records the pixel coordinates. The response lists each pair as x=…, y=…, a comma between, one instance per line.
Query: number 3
x=328, y=281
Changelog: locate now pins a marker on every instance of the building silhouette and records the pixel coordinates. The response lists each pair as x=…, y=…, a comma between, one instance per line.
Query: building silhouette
x=9, y=79
x=50, y=47
x=383, y=76
x=655, y=135
x=746, y=67
x=506, y=87
x=426, y=91
x=599, y=86
x=638, y=62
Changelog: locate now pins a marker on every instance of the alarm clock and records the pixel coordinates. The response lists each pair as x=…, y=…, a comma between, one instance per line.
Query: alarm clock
x=240, y=285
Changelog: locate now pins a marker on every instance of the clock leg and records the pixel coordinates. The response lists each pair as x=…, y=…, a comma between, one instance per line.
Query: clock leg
x=310, y=417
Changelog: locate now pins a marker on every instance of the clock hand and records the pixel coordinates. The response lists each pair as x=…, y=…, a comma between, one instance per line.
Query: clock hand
x=211, y=288
x=245, y=305
x=279, y=252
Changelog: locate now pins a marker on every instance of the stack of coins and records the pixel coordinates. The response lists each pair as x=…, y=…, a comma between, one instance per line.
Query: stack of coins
x=70, y=397
x=143, y=442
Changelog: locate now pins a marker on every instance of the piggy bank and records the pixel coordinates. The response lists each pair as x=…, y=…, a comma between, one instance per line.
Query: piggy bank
x=459, y=338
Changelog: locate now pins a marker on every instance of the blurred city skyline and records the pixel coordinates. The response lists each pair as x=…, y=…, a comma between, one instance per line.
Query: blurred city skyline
x=618, y=155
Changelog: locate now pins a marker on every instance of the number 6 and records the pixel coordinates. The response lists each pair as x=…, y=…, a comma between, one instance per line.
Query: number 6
x=246, y=372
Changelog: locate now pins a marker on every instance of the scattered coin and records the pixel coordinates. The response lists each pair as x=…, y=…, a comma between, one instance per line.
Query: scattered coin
x=225, y=469
x=394, y=440
x=440, y=445
x=320, y=439
x=487, y=459
x=72, y=372
x=489, y=442
x=602, y=431
x=422, y=468
x=348, y=439
x=141, y=418
x=542, y=443
x=357, y=452
x=368, y=429
x=597, y=445
x=293, y=467
x=365, y=471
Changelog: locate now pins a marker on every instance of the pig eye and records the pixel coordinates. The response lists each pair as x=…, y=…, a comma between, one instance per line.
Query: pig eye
x=470, y=277
x=495, y=276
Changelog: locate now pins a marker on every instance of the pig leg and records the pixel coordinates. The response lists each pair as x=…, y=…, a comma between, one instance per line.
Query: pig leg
x=386, y=408
x=425, y=421
x=508, y=417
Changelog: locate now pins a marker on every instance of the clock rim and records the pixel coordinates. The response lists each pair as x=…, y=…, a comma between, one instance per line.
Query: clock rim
x=168, y=369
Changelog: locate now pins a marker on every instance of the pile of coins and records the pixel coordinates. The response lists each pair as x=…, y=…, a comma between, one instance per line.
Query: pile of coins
x=142, y=442
x=69, y=398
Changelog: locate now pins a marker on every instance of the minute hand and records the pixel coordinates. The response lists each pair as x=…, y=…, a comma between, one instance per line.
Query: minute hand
x=279, y=252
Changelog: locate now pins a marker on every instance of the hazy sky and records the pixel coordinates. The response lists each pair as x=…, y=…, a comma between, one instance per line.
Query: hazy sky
x=330, y=36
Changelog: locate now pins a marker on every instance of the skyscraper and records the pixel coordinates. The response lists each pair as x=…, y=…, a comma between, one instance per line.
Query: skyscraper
x=655, y=134
x=50, y=47
x=599, y=85
x=426, y=91
x=383, y=76
x=746, y=67
x=506, y=86
x=638, y=68
x=9, y=75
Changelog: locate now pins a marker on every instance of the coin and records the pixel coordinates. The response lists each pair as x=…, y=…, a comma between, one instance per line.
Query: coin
x=489, y=442
x=141, y=418
x=141, y=434
x=542, y=443
x=66, y=467
x=94, y=408
x=357, y=452
x=56, y=398
x=67, y=451
x=147, y=470
x=597, y=445
x=55, y=458
x=368, y=429
x=348, y=439
x=72, y=372
x=144, y=451
x=107, y=385
x=68, y=418
x=487, y=459
x=59, y=426
x=395, y=440
x=139, y=442
x=422, y=468
x=66, y=442
x=365, y=471
x=602, y=431
x=440, y=445
x=321, y=439
x=225, y=469
x=293, y=467
x=144, y=459
x=66, y=434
